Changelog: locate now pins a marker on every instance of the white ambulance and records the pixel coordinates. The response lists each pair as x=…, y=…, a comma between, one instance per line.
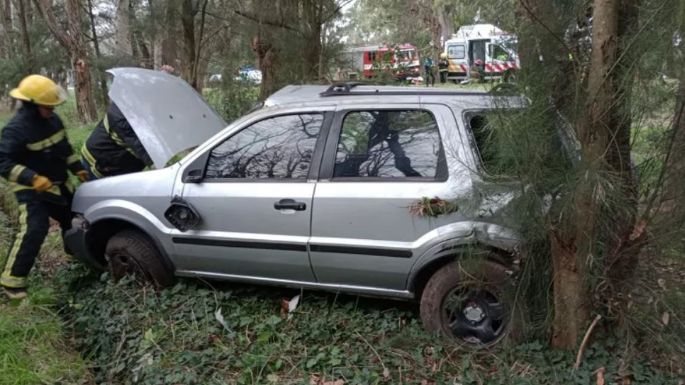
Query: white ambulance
x=482, y=47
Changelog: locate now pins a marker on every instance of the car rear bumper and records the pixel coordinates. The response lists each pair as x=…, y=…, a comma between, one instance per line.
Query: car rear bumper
x=75, y=240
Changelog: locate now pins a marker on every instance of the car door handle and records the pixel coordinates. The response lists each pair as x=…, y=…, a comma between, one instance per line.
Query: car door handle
x=290, y=204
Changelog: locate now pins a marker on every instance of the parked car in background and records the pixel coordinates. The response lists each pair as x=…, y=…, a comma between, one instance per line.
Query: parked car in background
x=248, y=73
x=371, y=190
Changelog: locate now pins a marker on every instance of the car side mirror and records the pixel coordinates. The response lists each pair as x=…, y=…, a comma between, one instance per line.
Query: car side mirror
x=193, y=176
x=195, y=172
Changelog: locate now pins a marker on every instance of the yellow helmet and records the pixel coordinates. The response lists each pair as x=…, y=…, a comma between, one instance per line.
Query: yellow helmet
x=39, y=90
x=443, y=55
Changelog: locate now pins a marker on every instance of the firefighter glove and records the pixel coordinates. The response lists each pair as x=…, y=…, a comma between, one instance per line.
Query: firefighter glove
x=41, y=183
x=82, y=175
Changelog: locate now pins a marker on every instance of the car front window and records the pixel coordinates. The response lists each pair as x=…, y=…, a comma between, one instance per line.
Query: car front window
x=280, y=147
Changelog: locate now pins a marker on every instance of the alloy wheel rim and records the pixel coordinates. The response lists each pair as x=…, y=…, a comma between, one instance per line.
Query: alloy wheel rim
x=475, y=316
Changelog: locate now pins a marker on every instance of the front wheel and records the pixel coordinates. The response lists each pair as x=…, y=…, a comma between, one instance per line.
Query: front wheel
x=130, y=252
x=471, y=304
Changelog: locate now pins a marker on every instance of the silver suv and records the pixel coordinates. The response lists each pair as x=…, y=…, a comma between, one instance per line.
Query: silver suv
x=363, y=189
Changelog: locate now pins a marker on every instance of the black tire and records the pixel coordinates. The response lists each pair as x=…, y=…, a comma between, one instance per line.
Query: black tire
x=130, y=252
x=472, y=304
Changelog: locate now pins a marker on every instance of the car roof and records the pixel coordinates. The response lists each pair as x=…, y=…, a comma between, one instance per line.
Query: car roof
x=342, y=93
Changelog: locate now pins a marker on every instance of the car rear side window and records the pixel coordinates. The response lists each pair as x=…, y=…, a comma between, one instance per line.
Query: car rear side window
x=276, y=148
x=490, y=130
x=389, y=144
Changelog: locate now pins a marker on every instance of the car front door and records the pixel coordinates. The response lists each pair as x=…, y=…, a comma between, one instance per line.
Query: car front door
x=254, y=201
x=379, y=163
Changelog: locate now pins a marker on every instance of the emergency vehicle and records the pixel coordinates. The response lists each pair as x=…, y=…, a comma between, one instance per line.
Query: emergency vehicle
x=482, y=47
x=401, y=60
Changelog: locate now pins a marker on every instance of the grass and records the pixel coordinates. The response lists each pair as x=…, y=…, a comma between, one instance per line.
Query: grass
x=34, y=348
x=213, y=333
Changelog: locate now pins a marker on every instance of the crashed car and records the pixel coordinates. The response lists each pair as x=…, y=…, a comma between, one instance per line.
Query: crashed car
x=362, y=189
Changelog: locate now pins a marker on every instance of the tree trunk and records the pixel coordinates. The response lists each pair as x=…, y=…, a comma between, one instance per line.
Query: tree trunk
x=26, y=39
x=170, y=40
x=72, y=40
x=8, y=28
x=446, y=20
x=312, y=14
x=596, y=130
x=104, y=100
x=670, y=205
x=571, y=296
x=188, y=12
x=122, y=35
x=266, y=59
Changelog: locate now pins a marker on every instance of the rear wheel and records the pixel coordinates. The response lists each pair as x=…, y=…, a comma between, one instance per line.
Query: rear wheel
x=130, y=252
x=470, y=304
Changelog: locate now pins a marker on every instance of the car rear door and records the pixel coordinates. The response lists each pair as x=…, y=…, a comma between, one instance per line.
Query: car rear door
x=378, y=163
x=255, y=201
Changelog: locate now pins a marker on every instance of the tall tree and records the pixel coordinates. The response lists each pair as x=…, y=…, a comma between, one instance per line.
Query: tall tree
x=7, y=28
x=191, y=46
x=25, y=37
x=100, y=76
x=122, y=31
x=71, y=39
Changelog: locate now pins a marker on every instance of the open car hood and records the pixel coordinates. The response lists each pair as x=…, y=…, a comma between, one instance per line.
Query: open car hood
x=166, y=113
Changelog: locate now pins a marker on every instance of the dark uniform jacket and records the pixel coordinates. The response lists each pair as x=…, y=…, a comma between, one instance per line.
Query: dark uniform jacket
x=113, y=148
x=32, y=145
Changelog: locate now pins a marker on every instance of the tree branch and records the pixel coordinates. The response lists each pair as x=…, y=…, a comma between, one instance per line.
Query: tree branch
x=256, y=19
x=45, y=9
x=532, y=14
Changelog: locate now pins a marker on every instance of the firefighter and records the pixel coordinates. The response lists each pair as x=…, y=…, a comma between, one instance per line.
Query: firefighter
x=113, y=148
x=443, y=65
x=35, y=155
x=428, y=70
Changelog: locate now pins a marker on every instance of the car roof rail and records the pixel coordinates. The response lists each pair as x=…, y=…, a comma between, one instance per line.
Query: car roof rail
x=346, y=89
x=340, y=88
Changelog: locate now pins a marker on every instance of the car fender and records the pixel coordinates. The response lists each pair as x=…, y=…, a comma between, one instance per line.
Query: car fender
x=134, y=214
x=464, y=234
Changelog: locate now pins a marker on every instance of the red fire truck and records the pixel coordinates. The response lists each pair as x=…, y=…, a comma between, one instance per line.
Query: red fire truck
x=401, y=60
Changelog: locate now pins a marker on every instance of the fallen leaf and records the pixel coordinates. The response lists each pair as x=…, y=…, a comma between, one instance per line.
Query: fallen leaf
x=292, y=304
x=219, y=317
x=284, y=308
x=665, y=318
x=600, y=376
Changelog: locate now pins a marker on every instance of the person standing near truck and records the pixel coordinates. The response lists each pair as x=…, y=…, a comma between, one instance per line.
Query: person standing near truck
x=428, y=70
x=35, y=156
x=443, y=65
